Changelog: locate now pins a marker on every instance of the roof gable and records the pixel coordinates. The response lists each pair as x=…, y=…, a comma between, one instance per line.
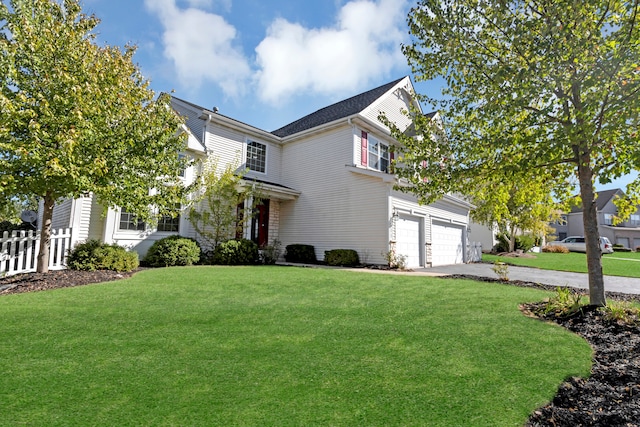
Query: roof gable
x=603, y=197
x=337, y=111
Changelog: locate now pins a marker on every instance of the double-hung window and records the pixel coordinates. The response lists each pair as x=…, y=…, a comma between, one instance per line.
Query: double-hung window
x=635, y=220
x=378, y=154
x=128, y=222
x=169, y=223
x=256, y=156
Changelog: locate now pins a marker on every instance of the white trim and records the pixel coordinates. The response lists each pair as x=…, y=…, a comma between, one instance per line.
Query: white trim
x=245, y=146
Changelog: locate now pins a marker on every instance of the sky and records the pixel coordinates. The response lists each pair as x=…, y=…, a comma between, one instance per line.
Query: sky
x=264, y=62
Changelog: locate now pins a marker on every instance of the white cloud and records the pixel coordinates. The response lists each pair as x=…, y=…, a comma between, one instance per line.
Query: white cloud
x=201, y=46
x=364, y=44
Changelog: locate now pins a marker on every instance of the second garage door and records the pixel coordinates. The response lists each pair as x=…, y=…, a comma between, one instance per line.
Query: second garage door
x=446, y=244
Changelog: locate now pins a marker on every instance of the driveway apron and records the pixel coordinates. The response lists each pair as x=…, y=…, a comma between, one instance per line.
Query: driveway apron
x=625, y=285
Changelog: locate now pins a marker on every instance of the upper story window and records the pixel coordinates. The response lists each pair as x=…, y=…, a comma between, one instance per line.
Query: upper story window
x=378, y=154
x=608, y=219
x=634, y=220
x=128, y=222
x=256, y=156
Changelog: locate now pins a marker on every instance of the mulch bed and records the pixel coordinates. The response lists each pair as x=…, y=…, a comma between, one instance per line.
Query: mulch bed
x=31, y=282
x=610, y=397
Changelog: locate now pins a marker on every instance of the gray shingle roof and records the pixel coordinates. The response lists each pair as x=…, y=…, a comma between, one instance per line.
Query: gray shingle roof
x=603, y=198
x=336, y=111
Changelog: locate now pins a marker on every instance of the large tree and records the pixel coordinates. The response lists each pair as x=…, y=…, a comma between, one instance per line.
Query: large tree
x=531, y=85
x=79, y=118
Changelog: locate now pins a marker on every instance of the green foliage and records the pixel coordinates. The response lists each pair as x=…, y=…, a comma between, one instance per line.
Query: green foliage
x=11, y=226
x=300, y=253
x=94, y=255
x=621, y=312
x=236, y=252
x=566, y=303
x=11, y=209
x=172, y=251
x=501, y=269
x=523, y=241
x=342, y=257
x=270, y=253
x=541, y=94
x=78, y=117
x=215, y=214
x=395, y=260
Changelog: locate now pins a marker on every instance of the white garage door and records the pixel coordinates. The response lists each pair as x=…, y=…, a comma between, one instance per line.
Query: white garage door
x=408, y=240
x=446, y=244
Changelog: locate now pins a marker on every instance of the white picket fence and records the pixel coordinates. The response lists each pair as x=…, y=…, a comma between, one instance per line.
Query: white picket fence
x=474, y=252
x=19, y=251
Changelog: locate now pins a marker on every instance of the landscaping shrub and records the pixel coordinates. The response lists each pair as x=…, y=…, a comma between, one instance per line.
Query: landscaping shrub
x=94, y=255
x=236, y=252
x=620, y=248
x=556, y=249
x=270, y=253
x=173, y=250
x=342, y=257
x=117, y=258
x=305, y=254
x=524, y=242
x=10, y=226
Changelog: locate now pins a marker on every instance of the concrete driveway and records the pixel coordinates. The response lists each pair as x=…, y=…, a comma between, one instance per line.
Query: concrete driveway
x=546, y=277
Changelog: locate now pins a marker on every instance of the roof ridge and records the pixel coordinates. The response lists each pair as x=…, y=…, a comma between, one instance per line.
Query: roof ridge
x=336, y=111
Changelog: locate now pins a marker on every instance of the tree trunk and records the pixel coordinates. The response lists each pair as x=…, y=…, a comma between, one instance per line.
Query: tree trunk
x=45, y=235
x=592, y=236
x=512, y=239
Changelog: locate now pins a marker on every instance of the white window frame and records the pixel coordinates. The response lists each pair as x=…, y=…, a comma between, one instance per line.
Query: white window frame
x=247, y=153
x=130, y=220
x=608, y=219
x=378, y=158
x=634, y=220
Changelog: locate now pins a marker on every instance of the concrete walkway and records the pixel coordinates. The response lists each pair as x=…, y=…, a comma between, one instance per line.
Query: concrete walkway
x=546, y=277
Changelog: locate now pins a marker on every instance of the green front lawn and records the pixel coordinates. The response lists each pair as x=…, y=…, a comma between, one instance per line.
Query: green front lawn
x=625, y=264
x=280, y=346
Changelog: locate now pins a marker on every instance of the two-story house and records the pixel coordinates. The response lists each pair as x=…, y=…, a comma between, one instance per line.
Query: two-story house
x=626, y=233
x=326, y=182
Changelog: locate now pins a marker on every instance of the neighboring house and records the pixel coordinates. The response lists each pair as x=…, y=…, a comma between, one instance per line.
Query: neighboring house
x=325, y=180
x=626, y=233
x=483, y=234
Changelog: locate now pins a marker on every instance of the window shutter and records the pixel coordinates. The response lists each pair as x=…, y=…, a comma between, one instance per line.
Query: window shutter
x=363, y=151
x=424, y=165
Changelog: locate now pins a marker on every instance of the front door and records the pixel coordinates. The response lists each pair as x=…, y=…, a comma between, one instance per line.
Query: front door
x=260, y=224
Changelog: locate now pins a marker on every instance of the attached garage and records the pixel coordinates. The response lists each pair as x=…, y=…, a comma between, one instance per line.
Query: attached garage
x=447, y=244
x=409, y=239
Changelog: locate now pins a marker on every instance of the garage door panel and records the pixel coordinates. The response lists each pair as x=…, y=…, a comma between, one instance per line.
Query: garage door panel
x=408, y=240
x=446, y=244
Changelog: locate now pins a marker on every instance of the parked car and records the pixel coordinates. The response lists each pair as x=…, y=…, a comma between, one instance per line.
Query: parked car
x=577, y=244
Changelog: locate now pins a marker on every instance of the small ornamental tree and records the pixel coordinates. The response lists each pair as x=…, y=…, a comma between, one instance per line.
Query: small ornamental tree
x=78, y=118
x=224, y=202
x=552, y=87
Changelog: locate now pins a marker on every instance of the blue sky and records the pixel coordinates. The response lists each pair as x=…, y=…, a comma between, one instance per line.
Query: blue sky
x=264, y=62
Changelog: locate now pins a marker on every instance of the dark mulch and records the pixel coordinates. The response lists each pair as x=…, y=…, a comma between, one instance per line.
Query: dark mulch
x=30, y=282
x=610, y=397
